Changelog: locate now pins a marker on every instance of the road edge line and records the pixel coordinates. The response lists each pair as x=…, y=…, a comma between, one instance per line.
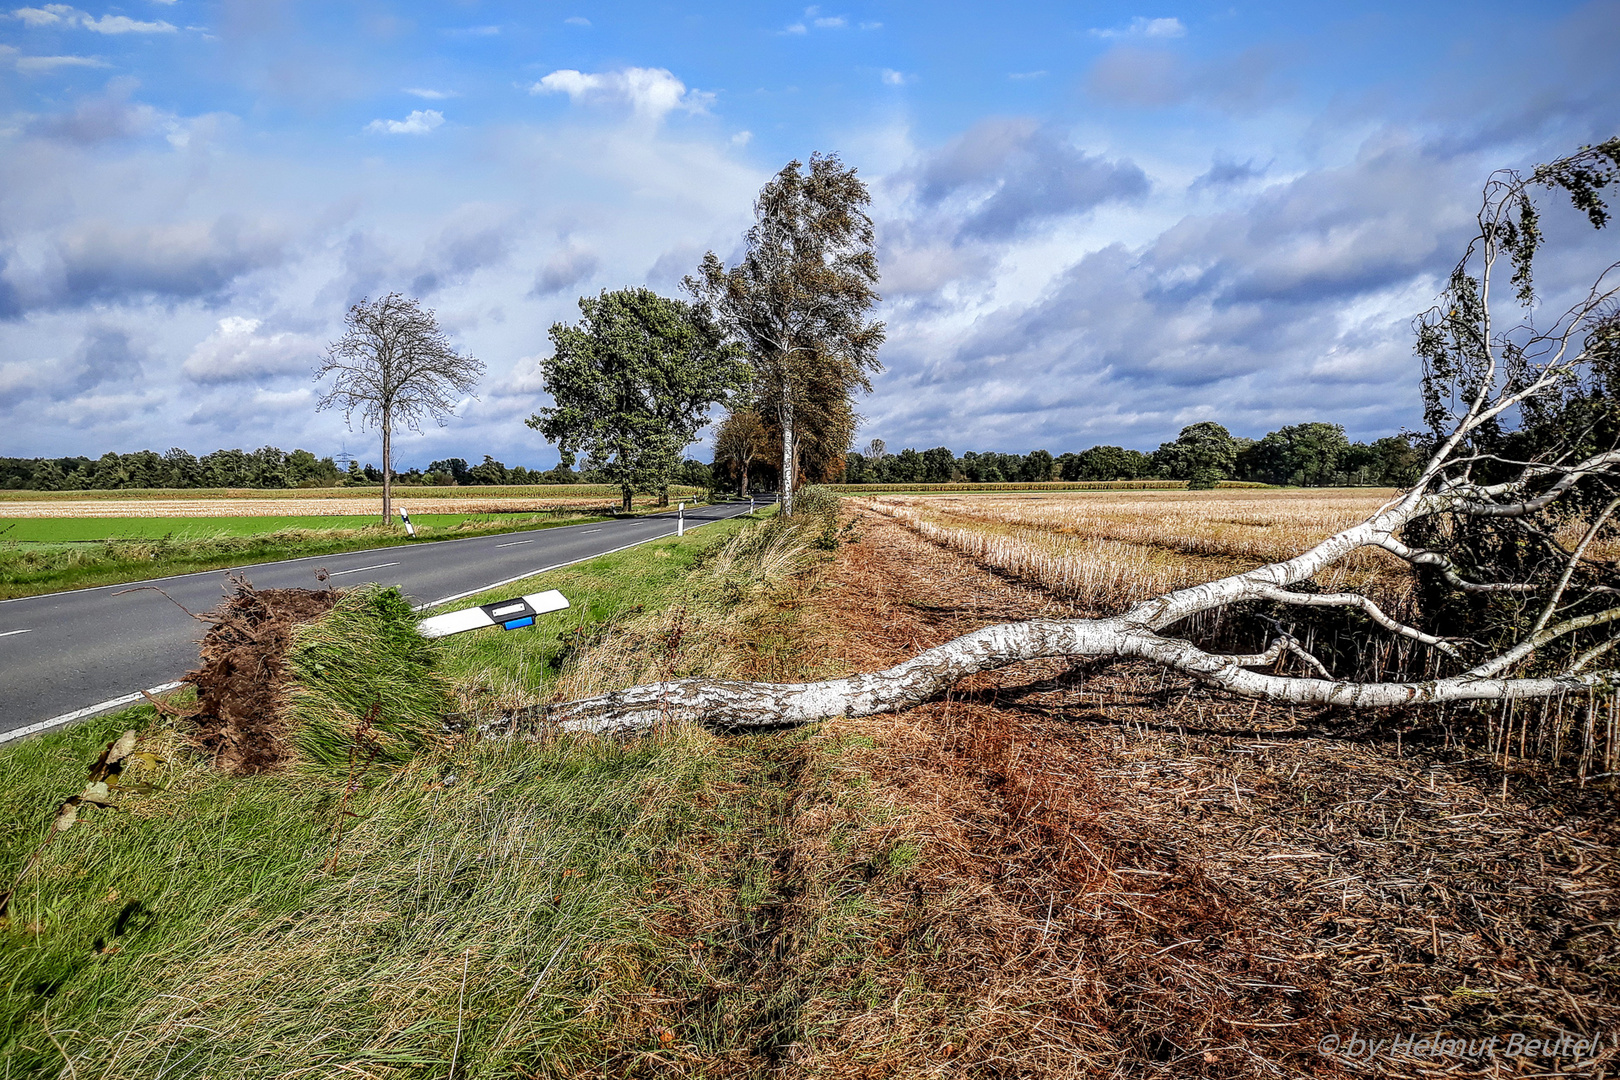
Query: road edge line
x=80, y=714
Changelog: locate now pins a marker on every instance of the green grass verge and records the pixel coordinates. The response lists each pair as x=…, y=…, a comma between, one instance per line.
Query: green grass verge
x=518, y=665
x=402, y=492
x=34, y=569
x=67, y=530
x=489, y=908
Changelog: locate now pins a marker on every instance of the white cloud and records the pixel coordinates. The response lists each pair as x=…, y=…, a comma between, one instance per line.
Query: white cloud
x=1025, y=76
x=49, y=15
x=1143, y=27
x=35, y=65
x=742, y=138
x=814, y=17
x=64, y=15
x=892, y=77
x=237, y=352
x=123, y=24
x=650, y=92
x=430, y=95
x=419, y=122
x=576, y=20
x=871, y=26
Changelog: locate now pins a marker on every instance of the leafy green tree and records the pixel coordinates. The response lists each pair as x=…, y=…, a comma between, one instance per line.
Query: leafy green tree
x=1203, y=455
x=184, y=470
x=1302, y=455
x=694, y=473
x=226, y=469
x=455, y=468
x=939, y=464
x=741, y=443
x=1036, y=468
x=798, y=303
x=490, y=472
x=1399, y=461
x=267, y=468
x=1108, y=463
x=632, y=385
x=304, y=469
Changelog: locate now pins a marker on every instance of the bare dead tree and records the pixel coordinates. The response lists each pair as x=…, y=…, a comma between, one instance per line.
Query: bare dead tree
x=395, y=366
x=1525, y=435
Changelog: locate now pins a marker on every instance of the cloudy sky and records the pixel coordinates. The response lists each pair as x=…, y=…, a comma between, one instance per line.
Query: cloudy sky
x=1097, y=222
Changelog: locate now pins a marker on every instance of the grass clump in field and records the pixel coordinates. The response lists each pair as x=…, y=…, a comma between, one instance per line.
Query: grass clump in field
x=365, y=681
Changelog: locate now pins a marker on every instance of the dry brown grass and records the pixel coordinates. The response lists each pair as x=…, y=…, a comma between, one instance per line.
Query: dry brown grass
x=1103, y=892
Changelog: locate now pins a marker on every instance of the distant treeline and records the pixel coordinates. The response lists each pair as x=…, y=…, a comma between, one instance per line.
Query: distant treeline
x=1303, y=455
x=271, y=467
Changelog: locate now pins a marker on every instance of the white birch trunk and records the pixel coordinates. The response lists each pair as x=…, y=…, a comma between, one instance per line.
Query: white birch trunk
x=1135, y=634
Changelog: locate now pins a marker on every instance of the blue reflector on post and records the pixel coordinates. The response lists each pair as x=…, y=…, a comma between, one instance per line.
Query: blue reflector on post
x=518, y=624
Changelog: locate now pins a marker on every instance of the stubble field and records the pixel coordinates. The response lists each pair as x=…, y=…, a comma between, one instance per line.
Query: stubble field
x=1105, y=550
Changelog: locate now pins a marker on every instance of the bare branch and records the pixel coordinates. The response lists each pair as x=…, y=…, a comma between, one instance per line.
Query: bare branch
x=1366, y=607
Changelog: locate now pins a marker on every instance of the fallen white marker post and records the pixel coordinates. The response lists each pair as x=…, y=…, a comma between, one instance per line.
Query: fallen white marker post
x=511, y=614
x=410, y=530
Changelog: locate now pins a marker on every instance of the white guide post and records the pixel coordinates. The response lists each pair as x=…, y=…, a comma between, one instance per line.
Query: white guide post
x=513, y=614
x=410, y=530
x=680, y=520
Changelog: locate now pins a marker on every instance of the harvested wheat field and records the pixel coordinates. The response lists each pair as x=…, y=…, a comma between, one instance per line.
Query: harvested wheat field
x=1123, y=875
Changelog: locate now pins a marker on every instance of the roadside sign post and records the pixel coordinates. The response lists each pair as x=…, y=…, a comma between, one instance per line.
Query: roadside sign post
x=680, y=520
x=513, y=614
x=410, y=530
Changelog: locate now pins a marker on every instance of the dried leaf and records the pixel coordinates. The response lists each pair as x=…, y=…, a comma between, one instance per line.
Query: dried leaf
x=121, y=747
x=67, y=815
x=97, y=794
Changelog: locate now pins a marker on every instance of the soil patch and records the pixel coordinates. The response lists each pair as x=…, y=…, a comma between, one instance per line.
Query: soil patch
x=1105, y=891
x=242, y=675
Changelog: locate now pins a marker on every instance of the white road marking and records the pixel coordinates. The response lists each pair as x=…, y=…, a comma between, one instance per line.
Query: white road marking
x=78, y=714
x=8, y=633
x=361, y=569
x=515, y=543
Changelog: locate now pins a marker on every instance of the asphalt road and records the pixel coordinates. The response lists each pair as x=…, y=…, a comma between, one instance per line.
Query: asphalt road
x=73, y=654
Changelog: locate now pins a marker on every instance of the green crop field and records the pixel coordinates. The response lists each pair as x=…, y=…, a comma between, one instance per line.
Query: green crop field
x=63, y=530
x=401, y=491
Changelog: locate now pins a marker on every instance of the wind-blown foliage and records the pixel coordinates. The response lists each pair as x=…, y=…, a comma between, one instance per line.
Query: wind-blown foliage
x=798, y=303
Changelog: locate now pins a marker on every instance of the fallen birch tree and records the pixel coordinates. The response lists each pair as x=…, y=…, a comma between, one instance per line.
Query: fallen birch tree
x=1504, y=527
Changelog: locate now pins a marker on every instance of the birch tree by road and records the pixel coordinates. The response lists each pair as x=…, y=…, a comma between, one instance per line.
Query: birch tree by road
x=395, y=366
x=1502, y=527
x=798, y=301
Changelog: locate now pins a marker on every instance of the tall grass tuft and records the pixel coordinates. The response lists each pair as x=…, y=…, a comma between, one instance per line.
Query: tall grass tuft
x=364, y=671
